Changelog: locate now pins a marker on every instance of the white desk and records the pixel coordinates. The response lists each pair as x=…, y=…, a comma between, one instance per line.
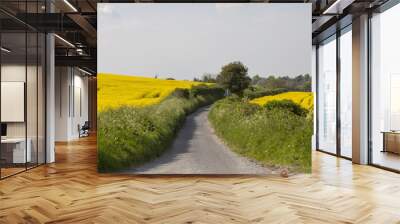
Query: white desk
x=19, y=155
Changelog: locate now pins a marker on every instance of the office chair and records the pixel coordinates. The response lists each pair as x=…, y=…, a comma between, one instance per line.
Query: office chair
x=84, y=130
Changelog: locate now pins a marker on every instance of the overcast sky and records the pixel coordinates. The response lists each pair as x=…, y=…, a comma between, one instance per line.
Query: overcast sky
x=184, y=41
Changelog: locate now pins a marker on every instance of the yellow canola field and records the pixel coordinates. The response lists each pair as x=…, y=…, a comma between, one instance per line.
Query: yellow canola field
x=304, y=99
x=118, y=90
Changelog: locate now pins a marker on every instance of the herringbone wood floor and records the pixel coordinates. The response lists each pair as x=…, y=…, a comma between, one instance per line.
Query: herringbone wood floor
x=71, y=191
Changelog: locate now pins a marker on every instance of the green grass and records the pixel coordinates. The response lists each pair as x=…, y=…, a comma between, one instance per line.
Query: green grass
x=272, y=136
x=130, y=136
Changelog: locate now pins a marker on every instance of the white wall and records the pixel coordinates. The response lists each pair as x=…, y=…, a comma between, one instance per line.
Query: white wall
x=80, y=109
x=12, y=73
x=71, y=102
x=62, y=82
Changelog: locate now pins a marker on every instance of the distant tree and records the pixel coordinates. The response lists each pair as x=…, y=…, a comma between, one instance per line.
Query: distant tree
x=233, y=77
x=307, y=86
x=255, y=80
x=170, y=78
x=273, y=82
x=298, y=83
x=307, y=83
x=207, y=77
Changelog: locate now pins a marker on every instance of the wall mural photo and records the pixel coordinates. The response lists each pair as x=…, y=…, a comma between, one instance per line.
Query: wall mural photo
x=204, y=88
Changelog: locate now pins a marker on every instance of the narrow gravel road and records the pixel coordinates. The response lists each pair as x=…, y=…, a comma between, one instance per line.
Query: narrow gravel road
x=197, y=150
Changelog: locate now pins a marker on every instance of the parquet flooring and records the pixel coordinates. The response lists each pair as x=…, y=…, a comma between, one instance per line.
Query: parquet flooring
x=7, y=171
x=71, y=191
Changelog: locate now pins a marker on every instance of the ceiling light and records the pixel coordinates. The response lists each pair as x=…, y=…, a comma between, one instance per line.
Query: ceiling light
x=70, y=5
x=65, y=41
x=327, y=11
x=84, y=71
x=79, y=51
x=5, y=50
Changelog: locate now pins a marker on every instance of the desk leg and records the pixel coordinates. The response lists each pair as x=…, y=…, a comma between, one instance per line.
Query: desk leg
x=384, y=142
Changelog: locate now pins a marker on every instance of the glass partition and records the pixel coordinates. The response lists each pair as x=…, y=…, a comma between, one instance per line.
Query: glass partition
x=22, y=77
x=346, y=93
x=385, y=89
x=14, y=153
x=327, y=96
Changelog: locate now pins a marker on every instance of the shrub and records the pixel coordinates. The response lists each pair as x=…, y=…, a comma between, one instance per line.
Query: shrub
x=288, y=105
x=182, y=93
x=256, y=93
x=276, y=137
x=204, y=89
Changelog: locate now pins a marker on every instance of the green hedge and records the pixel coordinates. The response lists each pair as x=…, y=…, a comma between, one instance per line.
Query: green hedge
x=130, y=136
x=274, y=135
x=256, y=93
x=288, y=105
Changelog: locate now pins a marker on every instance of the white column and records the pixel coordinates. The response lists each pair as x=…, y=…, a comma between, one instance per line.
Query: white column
x=360, y=90
x=50, y=91
x=314, y=91
x=50, y=98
